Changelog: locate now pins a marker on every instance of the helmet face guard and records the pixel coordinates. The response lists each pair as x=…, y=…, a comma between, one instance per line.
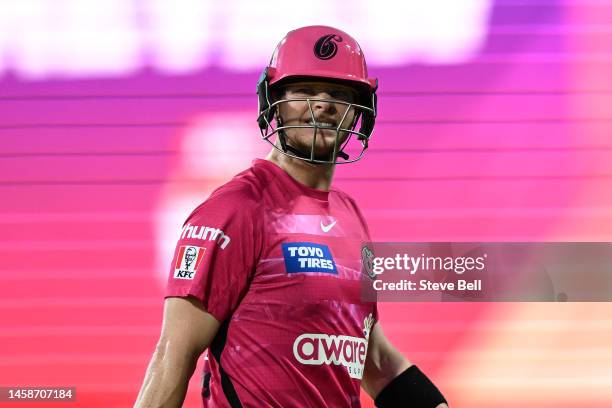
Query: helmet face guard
x=270, y=124
x=322, y=54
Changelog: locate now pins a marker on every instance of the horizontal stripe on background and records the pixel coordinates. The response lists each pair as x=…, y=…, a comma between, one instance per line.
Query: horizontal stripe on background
x=439, y=327
x=381, y=94
x=108, y=302
x=595, y=355
x=399, y=151
x=478, y=178
x=71, y=246
x=91, y=220
x=76, y=217
x=92, y=274
x=604, y=120
x=80, y=330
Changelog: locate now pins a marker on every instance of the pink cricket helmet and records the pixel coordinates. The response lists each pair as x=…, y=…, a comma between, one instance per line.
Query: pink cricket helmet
x=322, y=53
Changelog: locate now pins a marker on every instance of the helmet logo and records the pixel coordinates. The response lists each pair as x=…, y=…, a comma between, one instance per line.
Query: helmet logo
x=325, y=47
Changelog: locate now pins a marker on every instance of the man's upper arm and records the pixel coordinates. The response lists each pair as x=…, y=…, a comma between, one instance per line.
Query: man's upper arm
x=383, y=362
x=187, y=327
x=216, y=254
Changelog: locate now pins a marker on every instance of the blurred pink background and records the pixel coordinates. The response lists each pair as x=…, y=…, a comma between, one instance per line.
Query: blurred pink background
x=117, y=118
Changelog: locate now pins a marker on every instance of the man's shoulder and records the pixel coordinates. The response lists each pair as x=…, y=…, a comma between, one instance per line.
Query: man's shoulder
x=352, y=207
x=241, y=196
x=344, y=196
x=239, y=190
x=236, y=195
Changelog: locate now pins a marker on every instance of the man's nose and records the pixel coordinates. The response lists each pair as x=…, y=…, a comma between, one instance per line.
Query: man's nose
x=325, y=105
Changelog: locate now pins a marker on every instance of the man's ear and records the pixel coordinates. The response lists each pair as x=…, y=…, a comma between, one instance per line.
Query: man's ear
x=277, y=94
x=277, y=117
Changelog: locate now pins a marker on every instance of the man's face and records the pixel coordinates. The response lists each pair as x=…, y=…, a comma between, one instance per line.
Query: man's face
x=327, y=114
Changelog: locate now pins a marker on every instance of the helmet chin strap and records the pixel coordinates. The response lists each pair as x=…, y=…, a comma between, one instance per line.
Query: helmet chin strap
x=304, y=155
x=343, y=155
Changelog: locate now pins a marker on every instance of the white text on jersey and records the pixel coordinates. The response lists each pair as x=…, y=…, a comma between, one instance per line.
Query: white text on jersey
x=349, y=351
x=205, y=233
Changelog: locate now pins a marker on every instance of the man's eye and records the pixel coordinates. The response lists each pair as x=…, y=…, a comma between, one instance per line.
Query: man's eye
x=305, y=91
x=341, y=95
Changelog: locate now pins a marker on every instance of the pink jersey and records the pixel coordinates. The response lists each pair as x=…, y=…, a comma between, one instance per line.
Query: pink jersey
x=278, y=264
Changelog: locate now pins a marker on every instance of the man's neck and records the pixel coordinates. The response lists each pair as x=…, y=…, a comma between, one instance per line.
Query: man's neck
x=318, y=176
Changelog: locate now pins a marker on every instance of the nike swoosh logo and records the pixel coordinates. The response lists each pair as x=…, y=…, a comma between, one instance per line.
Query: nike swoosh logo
x=326, y=228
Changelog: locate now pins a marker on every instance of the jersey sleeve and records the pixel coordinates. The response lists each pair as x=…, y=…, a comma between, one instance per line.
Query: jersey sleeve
x=215, y=255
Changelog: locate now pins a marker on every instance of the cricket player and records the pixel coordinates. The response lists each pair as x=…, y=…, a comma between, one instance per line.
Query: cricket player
x=266, y=273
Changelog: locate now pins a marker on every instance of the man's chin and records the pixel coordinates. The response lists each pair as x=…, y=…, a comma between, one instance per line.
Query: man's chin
x=323, y=150
x=320, y=153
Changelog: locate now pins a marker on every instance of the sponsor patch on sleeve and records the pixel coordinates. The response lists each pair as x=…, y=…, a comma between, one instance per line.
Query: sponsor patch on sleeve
x=308, y=257
x=187, y=261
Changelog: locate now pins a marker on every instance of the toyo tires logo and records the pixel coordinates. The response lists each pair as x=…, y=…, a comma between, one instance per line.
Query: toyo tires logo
x=348, y=351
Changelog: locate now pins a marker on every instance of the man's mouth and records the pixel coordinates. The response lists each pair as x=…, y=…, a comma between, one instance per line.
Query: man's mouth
x=329, y=125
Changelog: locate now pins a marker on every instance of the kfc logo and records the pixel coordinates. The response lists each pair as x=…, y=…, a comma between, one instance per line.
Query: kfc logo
x=187, y=261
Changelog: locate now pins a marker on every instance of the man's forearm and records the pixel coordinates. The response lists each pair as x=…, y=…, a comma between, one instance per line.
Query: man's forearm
x=166, y=380
x=381, y=369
